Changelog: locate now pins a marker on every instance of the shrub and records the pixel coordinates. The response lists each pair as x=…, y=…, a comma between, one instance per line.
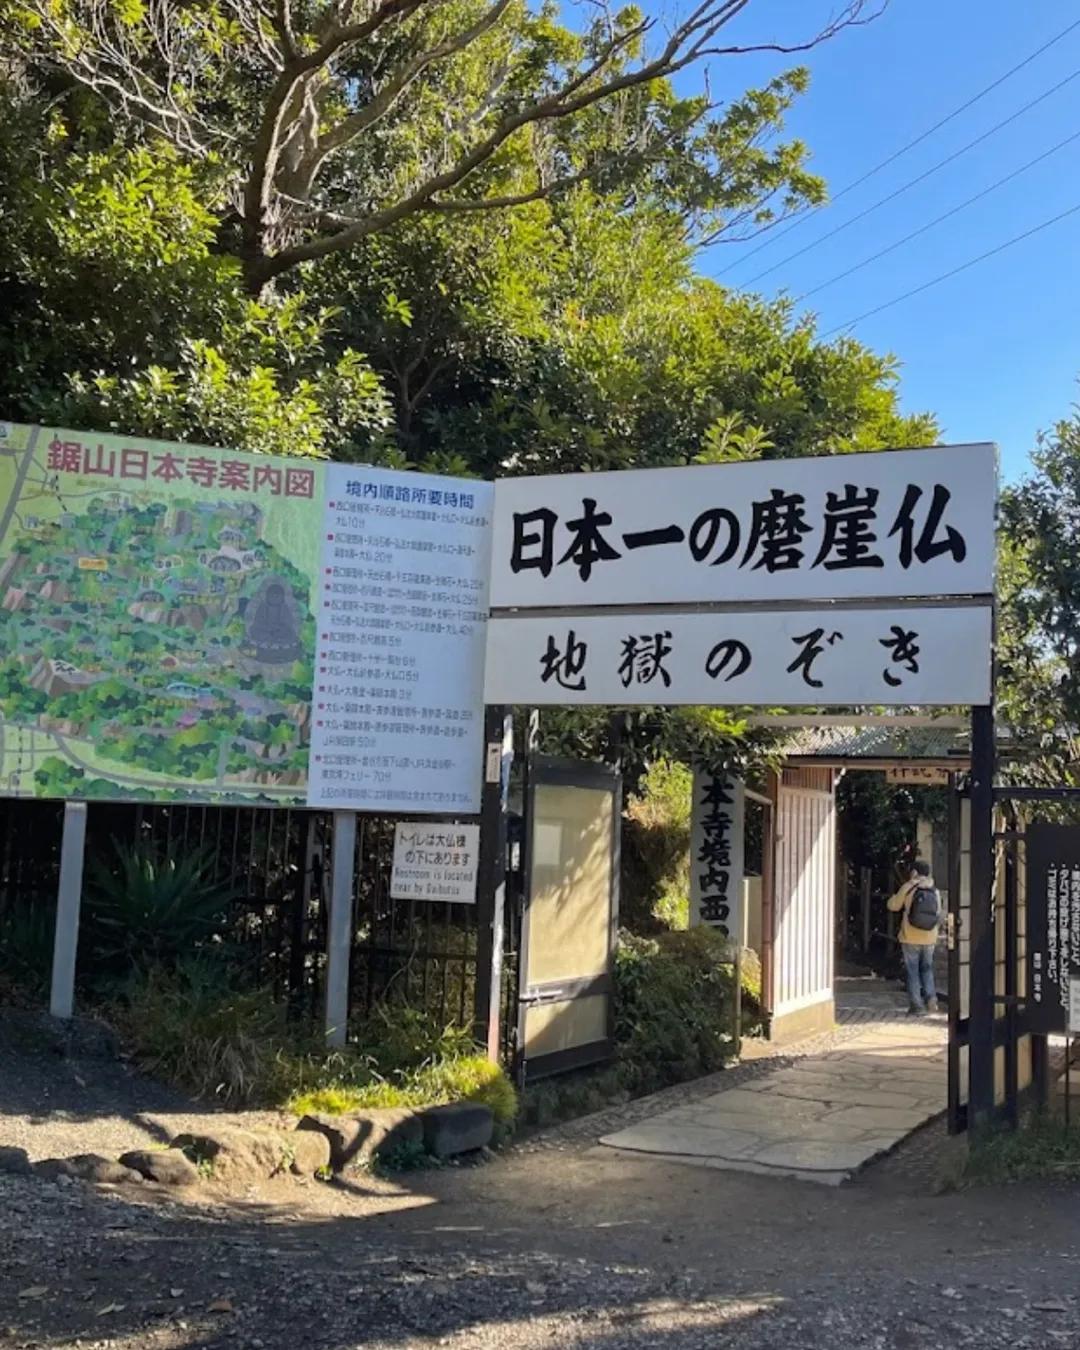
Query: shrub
x=186, y=1026
x=26, y=948
x=655, y=891
x=142, y=909
x=673, y=1007
x=674, y=1020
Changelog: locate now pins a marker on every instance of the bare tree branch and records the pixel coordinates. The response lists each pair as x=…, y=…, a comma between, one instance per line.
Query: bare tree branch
x=176, y=70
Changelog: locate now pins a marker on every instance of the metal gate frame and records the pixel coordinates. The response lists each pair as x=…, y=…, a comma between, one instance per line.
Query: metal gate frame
x=546, y=770
x=993, y=982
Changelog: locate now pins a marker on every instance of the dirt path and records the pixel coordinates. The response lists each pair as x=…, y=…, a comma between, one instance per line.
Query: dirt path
x=578, y=1247
x=556, y=1244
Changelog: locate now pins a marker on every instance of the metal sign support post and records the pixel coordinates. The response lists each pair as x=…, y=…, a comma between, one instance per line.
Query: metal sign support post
x=68, y=905
x=339, y=929
x=491, y=889
x=981, y=1093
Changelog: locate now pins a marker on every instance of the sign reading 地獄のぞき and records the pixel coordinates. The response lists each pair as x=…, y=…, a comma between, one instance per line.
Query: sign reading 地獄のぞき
x=192, y=624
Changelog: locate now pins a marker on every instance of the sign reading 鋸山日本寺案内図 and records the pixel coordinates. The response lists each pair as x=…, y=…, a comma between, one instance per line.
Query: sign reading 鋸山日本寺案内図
x=435, y=862
x=181, y=623
x=907, y=523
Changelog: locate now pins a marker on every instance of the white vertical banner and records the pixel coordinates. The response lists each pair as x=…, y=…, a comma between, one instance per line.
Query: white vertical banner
x=398, y=716
x=716, y=853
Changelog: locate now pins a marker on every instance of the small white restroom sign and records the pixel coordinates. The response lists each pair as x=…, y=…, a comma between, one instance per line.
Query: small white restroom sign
x=435, y=862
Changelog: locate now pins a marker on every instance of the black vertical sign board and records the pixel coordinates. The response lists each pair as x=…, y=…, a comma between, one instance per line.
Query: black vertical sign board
x=1053, y=924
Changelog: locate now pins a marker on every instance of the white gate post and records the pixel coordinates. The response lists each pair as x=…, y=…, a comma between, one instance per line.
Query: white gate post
x=68, y=904
x=339, y=929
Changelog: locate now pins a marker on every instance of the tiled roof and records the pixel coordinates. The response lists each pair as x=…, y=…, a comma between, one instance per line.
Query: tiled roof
x=907, y=743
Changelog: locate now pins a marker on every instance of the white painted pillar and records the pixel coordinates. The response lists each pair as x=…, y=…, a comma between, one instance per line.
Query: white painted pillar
x=339, y=929
x=68, y=905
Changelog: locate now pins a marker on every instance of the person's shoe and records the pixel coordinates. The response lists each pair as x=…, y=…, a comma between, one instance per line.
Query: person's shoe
x=916, y=1012
x=932, y=1005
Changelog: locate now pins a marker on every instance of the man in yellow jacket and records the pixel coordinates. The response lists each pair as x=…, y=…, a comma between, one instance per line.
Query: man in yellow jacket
x=919, y=902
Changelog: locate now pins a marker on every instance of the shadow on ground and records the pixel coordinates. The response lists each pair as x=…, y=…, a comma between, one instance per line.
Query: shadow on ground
x=576, y=1248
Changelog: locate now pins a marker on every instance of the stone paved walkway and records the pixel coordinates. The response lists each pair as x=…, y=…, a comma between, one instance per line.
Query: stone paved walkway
x=819, y=1119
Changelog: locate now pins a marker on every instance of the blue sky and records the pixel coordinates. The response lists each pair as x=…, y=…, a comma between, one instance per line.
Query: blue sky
x=994, y=352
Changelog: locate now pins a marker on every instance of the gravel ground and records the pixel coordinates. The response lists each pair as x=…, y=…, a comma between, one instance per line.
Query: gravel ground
x=579, y=1249
x=556, y=1243
x=55, y=1106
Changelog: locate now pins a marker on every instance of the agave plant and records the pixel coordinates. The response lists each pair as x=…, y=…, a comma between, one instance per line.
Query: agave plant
x=142, y=908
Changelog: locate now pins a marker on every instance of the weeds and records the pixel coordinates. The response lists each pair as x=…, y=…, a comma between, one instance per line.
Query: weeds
x=26, y=948
x=235, y=1046
x=468, y=1078
x=1043, y=1148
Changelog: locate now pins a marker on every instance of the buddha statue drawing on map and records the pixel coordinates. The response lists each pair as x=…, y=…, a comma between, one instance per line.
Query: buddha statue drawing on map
x=273, y=628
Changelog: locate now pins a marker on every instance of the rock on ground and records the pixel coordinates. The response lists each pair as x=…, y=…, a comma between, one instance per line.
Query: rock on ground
x=167, y=1166
x=356, y=1139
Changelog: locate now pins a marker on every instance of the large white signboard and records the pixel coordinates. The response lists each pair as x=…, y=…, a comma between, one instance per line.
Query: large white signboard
x=889, y=657
x=435, y=862
x=716, y=854
x=397, y=722
x=909, y=523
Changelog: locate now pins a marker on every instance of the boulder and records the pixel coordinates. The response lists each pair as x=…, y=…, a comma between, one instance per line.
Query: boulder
x=309, y=1152
x=238, y=1157
x=357, y=1139
x=103, y=1171
x=463, y=1128
x=15, y=1161
x=52, y=1169
x=168, y=1166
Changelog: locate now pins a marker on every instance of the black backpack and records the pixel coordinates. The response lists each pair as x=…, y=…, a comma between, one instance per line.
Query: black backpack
x=924, y=911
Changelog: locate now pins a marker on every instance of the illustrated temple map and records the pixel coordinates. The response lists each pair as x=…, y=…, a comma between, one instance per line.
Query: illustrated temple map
x=157, y=628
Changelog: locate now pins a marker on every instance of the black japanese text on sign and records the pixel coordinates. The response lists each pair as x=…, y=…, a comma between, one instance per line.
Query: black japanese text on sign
x=716, y=854
x=1053, y=924
x=905, y=523
x=885, y=657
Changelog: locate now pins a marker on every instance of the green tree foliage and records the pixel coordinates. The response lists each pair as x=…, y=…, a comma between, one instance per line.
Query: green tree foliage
x=1038, y=648
x=322, y=124
x=577, y=335
x=227, y=225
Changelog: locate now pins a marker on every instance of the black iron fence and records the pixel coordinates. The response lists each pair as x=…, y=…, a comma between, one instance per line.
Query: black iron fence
x=276, y=865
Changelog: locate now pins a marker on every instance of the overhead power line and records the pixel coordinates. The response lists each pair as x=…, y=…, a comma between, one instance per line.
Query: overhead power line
x=897, y=154
x=913, y=182
x=875, y=257
x=955, y=271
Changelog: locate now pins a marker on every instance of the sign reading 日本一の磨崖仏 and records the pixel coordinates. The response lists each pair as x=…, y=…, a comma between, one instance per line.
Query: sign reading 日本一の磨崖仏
x=183, y=623
x=848, y=527
x=641, y=576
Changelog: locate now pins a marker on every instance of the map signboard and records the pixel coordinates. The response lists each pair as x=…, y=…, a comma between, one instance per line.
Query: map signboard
x=162, y=610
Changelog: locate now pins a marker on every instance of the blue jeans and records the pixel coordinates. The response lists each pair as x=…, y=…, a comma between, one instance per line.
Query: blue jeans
x=919, y=972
